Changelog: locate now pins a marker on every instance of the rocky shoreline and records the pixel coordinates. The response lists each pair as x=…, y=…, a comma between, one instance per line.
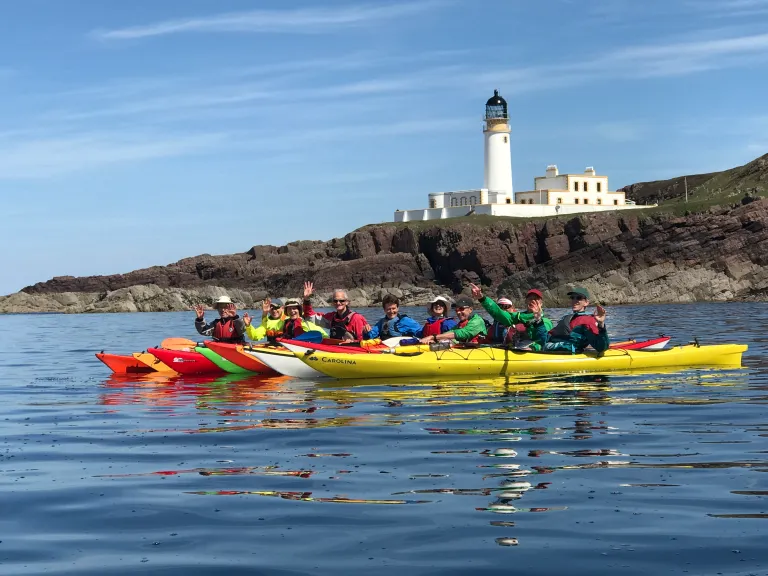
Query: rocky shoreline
x=718, y=254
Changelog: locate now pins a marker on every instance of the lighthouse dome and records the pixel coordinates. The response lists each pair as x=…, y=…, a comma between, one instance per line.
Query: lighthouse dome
x=496, y=106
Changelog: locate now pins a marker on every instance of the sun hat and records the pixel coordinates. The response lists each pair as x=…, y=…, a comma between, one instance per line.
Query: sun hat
x=222, y=301
x=443, y=299
x=292, y=302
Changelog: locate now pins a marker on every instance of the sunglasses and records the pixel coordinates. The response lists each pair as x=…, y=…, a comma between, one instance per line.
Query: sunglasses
x=576, y=297
x=339, y=301
x=461, y=308
x=275, y=307
x=506, y=306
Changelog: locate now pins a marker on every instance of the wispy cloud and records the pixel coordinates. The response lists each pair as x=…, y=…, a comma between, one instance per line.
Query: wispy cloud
x=299, y=21
x=46, y=157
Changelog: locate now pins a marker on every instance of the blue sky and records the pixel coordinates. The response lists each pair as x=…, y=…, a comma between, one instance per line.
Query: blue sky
x=138, y=133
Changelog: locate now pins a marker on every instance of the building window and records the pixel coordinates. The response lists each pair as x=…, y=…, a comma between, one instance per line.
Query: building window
x=585, y=186
x=454, y=202
x=509, y=201
x=463, y=200
x=506, y=140
x=615, y=202
x=599, y=186
x=575, y=186
x=433, y=203
x=472, y=200
x=530, y=200
x=586, y=200
x=559, y=200
x=599, y=200
x=522, y=201
x=575, y=200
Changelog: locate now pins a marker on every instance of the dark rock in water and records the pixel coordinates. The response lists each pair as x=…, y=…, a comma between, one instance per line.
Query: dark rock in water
x=718, y=254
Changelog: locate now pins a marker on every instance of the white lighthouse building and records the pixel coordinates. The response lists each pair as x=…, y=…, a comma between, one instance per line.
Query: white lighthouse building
x=553, y=193
x=498, y=159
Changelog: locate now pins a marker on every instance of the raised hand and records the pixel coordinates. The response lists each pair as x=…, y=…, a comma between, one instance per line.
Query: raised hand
x=265, y=306
x=247, y=319
x=200, y=311
x=600, y=315
x=309, y=289
x=230, y=311
x=536, y=309
x=477, y=292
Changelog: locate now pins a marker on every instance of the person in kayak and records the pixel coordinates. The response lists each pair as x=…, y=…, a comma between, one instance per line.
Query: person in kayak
x=393, y=324
x=228, y=327
x=294, y=325
x=470, y=328
x=272, y=319
x=438, y=321
x=343, y=323
x=525, y=330
x=577, y=330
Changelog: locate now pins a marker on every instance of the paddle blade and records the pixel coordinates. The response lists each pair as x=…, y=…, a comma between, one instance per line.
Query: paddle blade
x=313, y=336
x=178, y=344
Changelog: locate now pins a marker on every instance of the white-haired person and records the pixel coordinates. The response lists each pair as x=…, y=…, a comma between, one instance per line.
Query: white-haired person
x=343, y=323
x=228, y=327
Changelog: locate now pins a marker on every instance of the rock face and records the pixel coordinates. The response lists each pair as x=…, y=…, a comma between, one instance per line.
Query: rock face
x=718, y=254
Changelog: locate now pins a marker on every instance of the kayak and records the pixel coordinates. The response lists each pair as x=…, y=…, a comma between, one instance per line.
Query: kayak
x=284, y=361
x=185, y=362
x=652, y=344
x=235, y=354
x=124, y=364
x=223, y=363
x=153, y=362
x=490, y=361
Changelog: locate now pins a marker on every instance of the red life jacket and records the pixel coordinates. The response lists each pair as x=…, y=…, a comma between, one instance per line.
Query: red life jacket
x=292, y=328
x=433, y=328
x=224, y=331
x=337, y=328
x=568, y=322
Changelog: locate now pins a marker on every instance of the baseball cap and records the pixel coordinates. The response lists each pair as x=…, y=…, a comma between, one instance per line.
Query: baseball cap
x=535, y=292
x=463, y=302
x=579, y=291
x=504, y=302
x=277, y=302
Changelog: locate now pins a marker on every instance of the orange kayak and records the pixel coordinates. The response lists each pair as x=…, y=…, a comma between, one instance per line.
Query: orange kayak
x=124, y=364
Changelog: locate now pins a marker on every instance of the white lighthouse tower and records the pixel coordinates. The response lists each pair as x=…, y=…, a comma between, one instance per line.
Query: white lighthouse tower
x=498, y=159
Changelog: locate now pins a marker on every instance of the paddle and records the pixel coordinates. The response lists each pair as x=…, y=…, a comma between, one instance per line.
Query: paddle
x=312, y=336
x=178, y=344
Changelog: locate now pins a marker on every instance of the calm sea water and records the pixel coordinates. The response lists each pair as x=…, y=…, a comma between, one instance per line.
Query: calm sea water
x=641, y=474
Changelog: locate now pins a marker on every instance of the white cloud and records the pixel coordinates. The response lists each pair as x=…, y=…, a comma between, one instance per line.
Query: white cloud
x=621, y=131
x=304, y=20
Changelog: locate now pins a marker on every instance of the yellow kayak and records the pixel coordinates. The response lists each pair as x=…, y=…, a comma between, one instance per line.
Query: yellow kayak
x=482, y=362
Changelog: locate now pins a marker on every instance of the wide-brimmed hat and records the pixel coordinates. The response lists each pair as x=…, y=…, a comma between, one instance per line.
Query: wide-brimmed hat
x=292, y=302
x=444, y=299
x=222, y=301
x=579, y=291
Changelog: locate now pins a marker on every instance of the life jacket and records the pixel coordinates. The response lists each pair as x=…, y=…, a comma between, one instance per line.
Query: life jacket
x=463, y=324
x=433, y=328
x=224, y=331
x=338, y=326
x=293, y=328
x=391, y=329
x=568, y=322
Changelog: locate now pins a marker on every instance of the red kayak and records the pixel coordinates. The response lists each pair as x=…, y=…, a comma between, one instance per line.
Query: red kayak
x=652, y=344
x=124, y=364
x=234, y=353
x=185, y=362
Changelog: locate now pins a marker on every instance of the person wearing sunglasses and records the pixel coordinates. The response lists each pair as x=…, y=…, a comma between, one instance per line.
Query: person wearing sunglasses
x=438, y=321
x=342, y=323
x=228, y=327
x=272, y=319
x=578, y=329
x=283, y=318
x=524, y=330
x=469, y=329
x=393, y=324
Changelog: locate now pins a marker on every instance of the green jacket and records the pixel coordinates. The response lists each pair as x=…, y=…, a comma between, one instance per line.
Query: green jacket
x=475, y=327
x=532, y=331
x=276, y=326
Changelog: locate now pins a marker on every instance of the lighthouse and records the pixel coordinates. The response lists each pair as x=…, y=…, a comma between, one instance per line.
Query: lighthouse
x=498, y=159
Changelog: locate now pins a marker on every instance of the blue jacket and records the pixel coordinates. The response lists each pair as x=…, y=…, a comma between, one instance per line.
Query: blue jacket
x=448, y=325
x=400, y=325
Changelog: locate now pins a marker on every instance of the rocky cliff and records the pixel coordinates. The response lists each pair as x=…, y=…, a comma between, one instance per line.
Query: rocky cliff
x=719, y=253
